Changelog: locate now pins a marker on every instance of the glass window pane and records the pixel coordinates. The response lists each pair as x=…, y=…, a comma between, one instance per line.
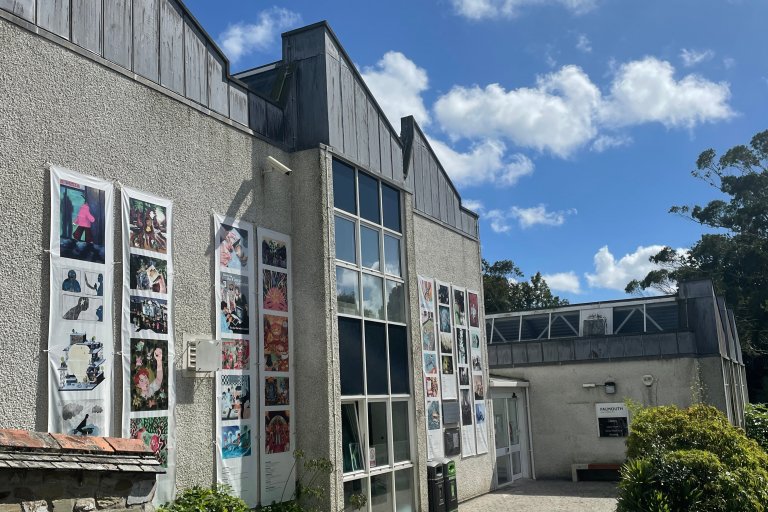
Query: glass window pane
x=373, y=297
x=404, y=491
x=351, y=356
x=395, y=301
x=350, y=438
x=392, y=255
x=352, y=492
x=390, y=201
x=381, y=493
x=345, y=240
x=376, y=358
x=369, y=248
x=398, y=360
x=378, y=453
x=344, y=187
x=369, y=197
x=401, y=444
x=347, y=291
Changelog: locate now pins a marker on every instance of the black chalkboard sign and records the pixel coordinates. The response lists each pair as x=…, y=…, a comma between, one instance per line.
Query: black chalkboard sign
x=452, y=441
x=613, y=427
x=451, y=413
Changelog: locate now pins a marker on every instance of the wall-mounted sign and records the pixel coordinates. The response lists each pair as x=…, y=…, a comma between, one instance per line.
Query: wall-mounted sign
x=612, y=420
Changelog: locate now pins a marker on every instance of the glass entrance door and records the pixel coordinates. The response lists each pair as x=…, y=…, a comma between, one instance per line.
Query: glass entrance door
x=507, y=418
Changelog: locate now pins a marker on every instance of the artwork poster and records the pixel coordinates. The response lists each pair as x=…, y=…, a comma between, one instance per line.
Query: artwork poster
x=431, y=367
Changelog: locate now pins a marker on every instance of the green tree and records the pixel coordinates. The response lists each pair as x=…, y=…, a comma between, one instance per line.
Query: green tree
x=735, y=256
x=504, y=291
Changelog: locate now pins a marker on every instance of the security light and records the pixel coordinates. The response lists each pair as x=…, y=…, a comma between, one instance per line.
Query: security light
x=278, y=166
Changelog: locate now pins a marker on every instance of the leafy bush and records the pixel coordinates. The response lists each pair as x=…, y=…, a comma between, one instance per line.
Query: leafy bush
x=205, y=499
x=756, y=423
x=693, y=460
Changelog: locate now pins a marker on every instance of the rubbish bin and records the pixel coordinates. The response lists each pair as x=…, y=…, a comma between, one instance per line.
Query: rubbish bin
x=449, y=479
x=435, y=489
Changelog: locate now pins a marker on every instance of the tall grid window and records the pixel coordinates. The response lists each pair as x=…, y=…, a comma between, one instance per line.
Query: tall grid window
x=377, y=405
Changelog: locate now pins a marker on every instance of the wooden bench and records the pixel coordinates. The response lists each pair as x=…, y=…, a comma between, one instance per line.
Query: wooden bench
x=575, y=468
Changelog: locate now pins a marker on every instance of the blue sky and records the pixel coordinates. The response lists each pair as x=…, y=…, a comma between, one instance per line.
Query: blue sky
x=571, y=126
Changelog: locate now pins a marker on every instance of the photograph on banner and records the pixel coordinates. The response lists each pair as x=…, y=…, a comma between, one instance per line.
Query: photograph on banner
x=452, y=441
x=475, y=339
x=447, y=365
x=81, y=417
x=234, y=317
x=276, y=391
x=277, y=431
x=235, y=354
x=474, y=309
x=431, y=387
x=426, y=295
x=274, y=253
x=148, y=315
x=445, y=319
x=149, y=375
x=430, y=362
x=446, y=343
x=233, y=247
x=480, y=412
x=463, y=376
x=478, y=386
x=275, y=290
x=466, y=406
x=148, y=226
x=149, y=274
x=461, y=345
x=81, y=362
x=443, y=294
x=82, y=308
x=276, y=347
x=82, y=222
x=459, y=308
x=153, y=431
x=80, y=282
x=235, y=441
x=477, y=365
x=235, y=396
x=428, y=331
x=433, y=414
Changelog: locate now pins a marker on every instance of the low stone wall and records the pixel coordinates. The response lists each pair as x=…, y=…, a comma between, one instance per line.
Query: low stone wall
x=58, y=473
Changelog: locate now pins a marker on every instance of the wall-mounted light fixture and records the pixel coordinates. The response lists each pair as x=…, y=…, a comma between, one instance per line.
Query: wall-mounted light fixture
x=610, y=387
x=275, y=165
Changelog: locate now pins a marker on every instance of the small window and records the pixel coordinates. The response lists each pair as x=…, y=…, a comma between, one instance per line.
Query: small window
x=377, y=435
x=344, y=187
x=373, y=297
x=351, y=356
x=347, y=291
x=369, y=198
x=398, y=360
x=345, y=240
x=395, y=302
x=390, y=199
x=392, y=255
x=350, y=438
x=369, y=248
x=381, y=493
x=353, y=491
x=404, y=490
x=376, y=357
x=400, y=443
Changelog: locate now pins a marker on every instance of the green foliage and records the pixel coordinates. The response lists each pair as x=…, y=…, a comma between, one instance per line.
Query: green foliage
x=504, y=292
x=756, y=423
x=691, y=459
x=205, y=499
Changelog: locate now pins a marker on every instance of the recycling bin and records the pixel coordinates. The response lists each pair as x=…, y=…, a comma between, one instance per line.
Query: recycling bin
x=435, y=486
x=449, y=483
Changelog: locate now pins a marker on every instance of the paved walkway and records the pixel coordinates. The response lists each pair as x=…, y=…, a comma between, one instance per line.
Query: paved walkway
x=547, y=496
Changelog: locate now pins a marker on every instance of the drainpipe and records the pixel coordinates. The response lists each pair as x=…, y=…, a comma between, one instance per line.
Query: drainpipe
x=530, y=432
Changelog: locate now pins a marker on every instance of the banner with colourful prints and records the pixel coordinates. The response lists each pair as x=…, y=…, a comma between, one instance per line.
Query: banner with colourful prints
x=80, y=341
x=478, y=378
x=431, y=372
x=276, y=417
x=466, y=398
x=236, y=326
x=149, y=392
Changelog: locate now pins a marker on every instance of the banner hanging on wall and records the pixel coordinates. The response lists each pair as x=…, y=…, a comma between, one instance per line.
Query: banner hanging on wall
x=430, y=358
x=236, y=326
x=80, y=341
x=149, y=392
x=445, y=342
x=477, y=369
x=466, y=397
x=277, y=417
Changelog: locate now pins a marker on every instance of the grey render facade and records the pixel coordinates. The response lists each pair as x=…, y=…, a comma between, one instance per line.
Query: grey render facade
x=136, y=92
x=677, y=349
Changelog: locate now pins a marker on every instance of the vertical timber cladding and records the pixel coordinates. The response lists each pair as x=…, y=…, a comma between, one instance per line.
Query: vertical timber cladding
x=461, y=351
x=277, y=417
x=477, y=377
x=149, y=391
x=237, y=328
x=430, y=358
x=80, y=340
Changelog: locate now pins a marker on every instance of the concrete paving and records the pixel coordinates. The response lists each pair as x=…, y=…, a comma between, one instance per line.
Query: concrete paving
x=547, y=496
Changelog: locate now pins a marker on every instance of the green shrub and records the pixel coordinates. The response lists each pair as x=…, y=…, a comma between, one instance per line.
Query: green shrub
x=756, y=423
x=205, y=499
x=691, y=460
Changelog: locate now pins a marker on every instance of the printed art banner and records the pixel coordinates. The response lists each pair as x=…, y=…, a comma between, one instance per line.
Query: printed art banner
x=431, y=377
x=466, y=397
x=277, y=411
x=236, y=413
x=80, y=341
x=149, y=395
x=477, y=367
x=445, y=342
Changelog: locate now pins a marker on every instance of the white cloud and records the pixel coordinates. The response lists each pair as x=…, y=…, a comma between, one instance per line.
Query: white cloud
x=473, y=204
x=397, y=83
x=605, y=142
x=563, y=282
x=729, y=62
x=528, y=217
x=243, y=38
x=565, y=110
x=483, y=9
x=485, y=162
x=499, y=221
x=583, y=44
x=615, y=274
x=693, y=57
